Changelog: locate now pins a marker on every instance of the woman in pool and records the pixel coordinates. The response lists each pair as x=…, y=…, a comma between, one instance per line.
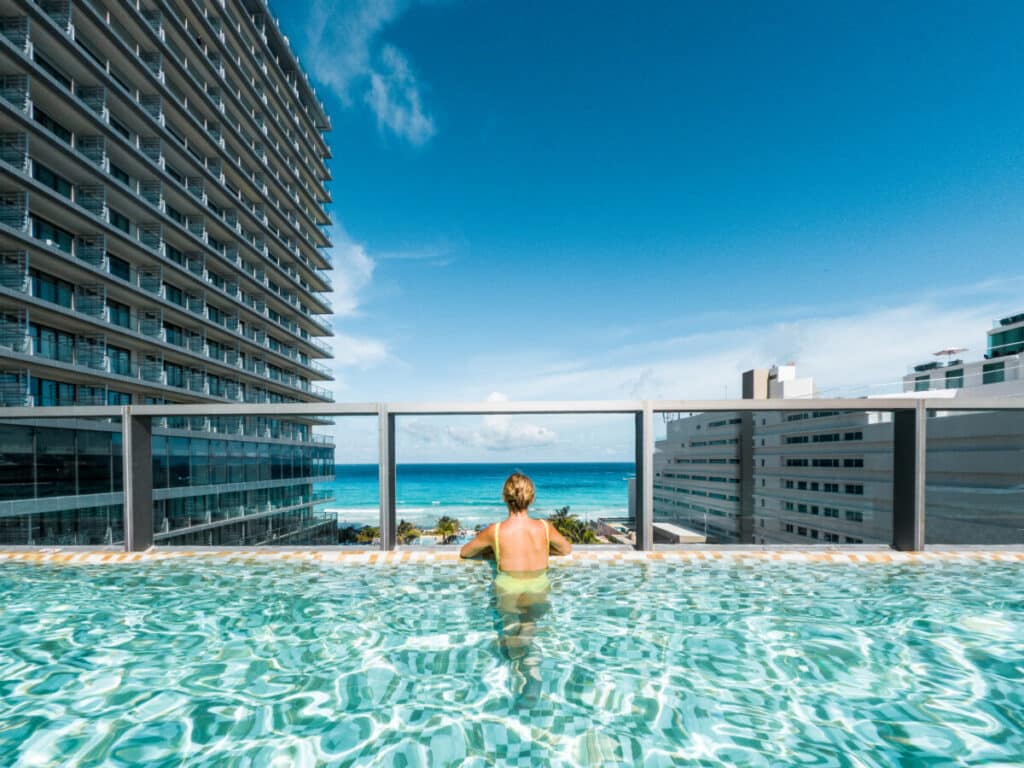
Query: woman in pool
x=521, y=545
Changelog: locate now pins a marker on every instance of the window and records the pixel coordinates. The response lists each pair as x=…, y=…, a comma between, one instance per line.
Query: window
x=855, y=515
x=51, y=343
x=853, y=462
x=118, y=398
x=993, y=373
x=789, y=527
x=794, y=439
x=47, y=392
x=51, y=179
x=174, y=375
x=175, y=214
x=120, y=174
x=801, y=531
x=119, y=267
x=120, y=360
x=174, y=334
x=174, y=294
x=830, y=488
x=830, y=512
x=853, y=436
x=52, y=289
x=856, y=490
x=51, y=234
x=828, y=437
x=120, y=221
x=955, y=379
x=51, y=125
x=814, y=533
x=120, y=314
x=922, y=382
x=174, y=254
x=851, y=540
x=831, y=538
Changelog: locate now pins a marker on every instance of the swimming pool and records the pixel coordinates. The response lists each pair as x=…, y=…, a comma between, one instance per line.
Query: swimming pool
x=253, y=662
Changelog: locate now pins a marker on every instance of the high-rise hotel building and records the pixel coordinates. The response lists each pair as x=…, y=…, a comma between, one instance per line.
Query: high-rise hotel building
x=162, y=226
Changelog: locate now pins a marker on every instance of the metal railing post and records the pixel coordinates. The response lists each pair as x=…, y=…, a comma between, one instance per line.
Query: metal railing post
x=386, y=476
x=137, y=445
x=910, y=442
x=645, y=478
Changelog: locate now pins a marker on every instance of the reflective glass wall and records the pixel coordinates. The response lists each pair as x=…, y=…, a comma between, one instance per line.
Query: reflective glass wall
x=975, y=478
x=61, y=482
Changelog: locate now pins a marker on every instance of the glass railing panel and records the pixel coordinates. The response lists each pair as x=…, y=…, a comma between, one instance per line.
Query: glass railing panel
x=260, y=481
x=975, y=478
x=451, y=471
x=804, y=478
x=61, y=482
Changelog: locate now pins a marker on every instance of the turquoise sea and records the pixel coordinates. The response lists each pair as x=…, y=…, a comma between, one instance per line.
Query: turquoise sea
x=471, y=493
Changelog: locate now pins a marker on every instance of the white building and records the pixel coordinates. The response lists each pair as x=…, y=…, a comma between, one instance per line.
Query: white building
x=826, y=477
x=699, y=469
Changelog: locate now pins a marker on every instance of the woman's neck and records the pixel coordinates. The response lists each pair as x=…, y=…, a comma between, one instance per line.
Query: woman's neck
x=517, y=513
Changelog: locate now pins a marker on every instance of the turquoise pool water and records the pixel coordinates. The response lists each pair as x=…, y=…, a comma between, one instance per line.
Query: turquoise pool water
x=260, y=663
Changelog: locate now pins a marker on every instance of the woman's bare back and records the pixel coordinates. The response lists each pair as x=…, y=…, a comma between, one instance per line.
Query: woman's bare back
x=522, y=544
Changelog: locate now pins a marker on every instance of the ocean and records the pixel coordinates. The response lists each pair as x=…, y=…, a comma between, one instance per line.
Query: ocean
x=471, y=493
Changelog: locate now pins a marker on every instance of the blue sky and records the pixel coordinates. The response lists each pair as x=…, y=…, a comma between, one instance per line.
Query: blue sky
x=604, y=200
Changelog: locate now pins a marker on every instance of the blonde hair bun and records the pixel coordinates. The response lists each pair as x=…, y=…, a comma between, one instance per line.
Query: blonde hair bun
x=518, y=491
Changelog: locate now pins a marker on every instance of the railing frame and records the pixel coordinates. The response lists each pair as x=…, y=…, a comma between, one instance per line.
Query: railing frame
x=910, y=416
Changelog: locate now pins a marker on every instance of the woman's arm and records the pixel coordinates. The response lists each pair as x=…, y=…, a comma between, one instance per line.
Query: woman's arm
x=481, y=542
x=559, y=544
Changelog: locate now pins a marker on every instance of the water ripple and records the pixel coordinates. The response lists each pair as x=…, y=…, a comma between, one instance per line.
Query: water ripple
x=230, y=663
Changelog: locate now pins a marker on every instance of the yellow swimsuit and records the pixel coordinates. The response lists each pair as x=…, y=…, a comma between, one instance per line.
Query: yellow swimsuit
x=511, y=582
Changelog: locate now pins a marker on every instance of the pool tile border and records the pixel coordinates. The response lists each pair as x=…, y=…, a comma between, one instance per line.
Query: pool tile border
x=375, y=557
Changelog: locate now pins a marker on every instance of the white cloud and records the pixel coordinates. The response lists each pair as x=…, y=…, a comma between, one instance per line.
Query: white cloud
x=494, y=433
x=353, y=269
x=850, y=354
x=395, y=98
x=357, y=352
x=344, y=53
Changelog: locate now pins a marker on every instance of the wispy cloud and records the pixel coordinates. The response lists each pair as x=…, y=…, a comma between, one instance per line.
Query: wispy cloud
x=435, y=256
x=496, y=433
x=850, y=353
x=344, y=53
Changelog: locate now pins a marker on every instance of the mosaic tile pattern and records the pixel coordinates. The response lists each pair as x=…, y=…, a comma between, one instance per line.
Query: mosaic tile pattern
x=428, y=556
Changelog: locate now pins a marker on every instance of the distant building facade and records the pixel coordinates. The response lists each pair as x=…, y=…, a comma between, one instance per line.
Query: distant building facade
x=825, y=477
